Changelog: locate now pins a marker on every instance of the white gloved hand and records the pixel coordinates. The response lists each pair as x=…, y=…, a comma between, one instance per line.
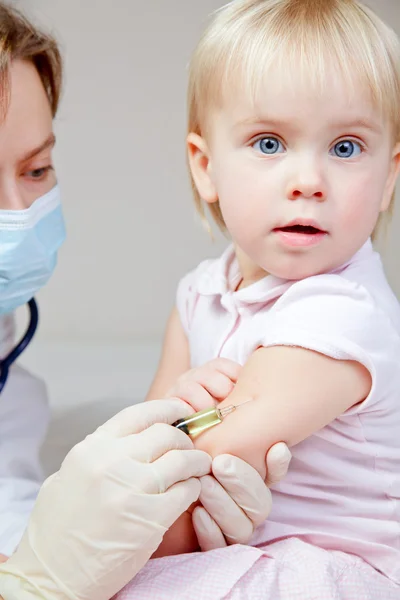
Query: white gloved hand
x=99, y=519
x=236, y=500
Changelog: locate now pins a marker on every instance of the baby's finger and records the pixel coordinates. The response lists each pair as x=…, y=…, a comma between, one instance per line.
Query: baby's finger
x=193, y=393
x=218, y=385
x=227, y=367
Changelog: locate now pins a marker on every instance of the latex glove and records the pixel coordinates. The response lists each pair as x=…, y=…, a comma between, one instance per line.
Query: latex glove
x=203, y=386
x=100, y=518
x=236, y=500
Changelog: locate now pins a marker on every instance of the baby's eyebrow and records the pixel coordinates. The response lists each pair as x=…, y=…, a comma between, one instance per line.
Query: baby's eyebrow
x=358, y=124
x=257, y=121
x=48, y=143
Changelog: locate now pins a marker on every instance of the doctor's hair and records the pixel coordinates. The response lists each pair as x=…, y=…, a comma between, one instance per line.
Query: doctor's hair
x=300, y=38
x=21, y=40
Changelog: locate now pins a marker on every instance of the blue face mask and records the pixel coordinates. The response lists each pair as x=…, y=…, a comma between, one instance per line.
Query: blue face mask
x=29, y=240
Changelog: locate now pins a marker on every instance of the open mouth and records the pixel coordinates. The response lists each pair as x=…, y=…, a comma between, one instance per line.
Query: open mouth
x=297, y=235
x=305, y=229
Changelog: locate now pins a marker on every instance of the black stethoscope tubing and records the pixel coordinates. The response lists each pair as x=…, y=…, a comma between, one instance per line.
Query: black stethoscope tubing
x=7, y=361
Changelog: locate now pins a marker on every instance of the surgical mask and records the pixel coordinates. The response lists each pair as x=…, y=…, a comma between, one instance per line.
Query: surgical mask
x=29, y=240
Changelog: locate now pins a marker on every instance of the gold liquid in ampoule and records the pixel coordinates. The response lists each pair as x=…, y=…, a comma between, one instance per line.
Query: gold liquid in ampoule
x=203, y=420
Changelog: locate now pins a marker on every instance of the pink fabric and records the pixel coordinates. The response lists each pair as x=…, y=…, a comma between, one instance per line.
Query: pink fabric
x=343, y=488
x=334, y=530
x=286, y=570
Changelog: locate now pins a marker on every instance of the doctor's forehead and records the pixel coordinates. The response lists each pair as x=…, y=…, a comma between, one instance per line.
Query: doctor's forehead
x=27, y=124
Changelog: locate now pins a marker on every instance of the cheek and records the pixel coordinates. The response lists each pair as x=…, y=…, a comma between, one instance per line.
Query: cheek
x=359, y=202
x=246, y=195
x=234, y=193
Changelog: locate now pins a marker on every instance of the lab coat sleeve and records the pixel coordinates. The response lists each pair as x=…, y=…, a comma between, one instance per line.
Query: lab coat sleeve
x=24, y=417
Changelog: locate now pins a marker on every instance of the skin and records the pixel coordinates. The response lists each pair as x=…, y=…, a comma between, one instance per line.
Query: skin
x=335, y=162
x=26, y=170
x=27, y=130
x=26, y=143
x=258, y=192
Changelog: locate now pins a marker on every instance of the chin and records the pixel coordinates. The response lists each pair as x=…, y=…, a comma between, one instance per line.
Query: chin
x=294, y=270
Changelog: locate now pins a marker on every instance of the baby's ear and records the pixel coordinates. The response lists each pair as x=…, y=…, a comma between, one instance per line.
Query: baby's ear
x=392, y=178
x=201, y=167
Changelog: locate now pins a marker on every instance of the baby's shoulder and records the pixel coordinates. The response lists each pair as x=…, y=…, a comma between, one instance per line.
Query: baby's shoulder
x=195, y=279
x=344, y=297
x=326, y=289
x=209, y=278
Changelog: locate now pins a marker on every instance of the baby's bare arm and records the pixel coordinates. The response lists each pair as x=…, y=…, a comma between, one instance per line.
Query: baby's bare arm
x=175, y=358
x=295, y=392
x=180, y=538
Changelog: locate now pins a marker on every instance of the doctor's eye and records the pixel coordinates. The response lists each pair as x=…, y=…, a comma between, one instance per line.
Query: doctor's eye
x=347, y=149
x=269, y=145
x=38, y=174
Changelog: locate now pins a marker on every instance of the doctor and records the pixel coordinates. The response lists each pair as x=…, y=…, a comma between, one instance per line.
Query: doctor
x=98, y=520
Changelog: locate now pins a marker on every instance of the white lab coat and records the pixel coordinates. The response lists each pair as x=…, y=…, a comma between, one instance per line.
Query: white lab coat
x=24, y=417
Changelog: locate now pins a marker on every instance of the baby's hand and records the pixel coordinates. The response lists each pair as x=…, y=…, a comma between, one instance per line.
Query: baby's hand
x=205, y=386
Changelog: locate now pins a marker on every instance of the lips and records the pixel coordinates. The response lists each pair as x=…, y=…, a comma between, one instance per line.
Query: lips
x=300, y=234
x=302, y=227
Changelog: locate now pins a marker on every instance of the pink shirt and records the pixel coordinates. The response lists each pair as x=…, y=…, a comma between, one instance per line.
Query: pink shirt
x=343, y=488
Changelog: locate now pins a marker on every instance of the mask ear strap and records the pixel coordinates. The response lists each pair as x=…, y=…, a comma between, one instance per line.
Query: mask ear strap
x=6, y=362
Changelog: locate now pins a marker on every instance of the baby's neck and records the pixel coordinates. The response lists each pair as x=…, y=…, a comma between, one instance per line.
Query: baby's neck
x=250, y=272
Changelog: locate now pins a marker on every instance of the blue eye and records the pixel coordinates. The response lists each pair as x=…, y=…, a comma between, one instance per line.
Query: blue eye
x=268, y=145
x=347, y=149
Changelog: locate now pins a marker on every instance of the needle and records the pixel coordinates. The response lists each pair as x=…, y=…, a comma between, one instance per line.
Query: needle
x=227, y=410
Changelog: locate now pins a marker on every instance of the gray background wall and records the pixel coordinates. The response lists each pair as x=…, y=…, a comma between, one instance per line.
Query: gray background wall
x=121, y=163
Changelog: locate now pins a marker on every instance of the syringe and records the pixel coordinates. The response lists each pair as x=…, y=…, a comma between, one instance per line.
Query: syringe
x=205, y=419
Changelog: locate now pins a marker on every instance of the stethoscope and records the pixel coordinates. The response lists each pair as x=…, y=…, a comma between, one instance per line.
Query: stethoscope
x=5, y=363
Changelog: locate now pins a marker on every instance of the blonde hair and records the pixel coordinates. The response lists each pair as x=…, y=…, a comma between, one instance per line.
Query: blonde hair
x=246, y=37
x=21, y=40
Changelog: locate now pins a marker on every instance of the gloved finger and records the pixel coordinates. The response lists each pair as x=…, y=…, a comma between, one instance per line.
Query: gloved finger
x=193, y=393
x=155, y=441
x=209, y=535
x=178, y=498
x=244, y=486
x=48, y=481
x=235, y=525
x=278, y=462
x=139, y=417
x=178, y=465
